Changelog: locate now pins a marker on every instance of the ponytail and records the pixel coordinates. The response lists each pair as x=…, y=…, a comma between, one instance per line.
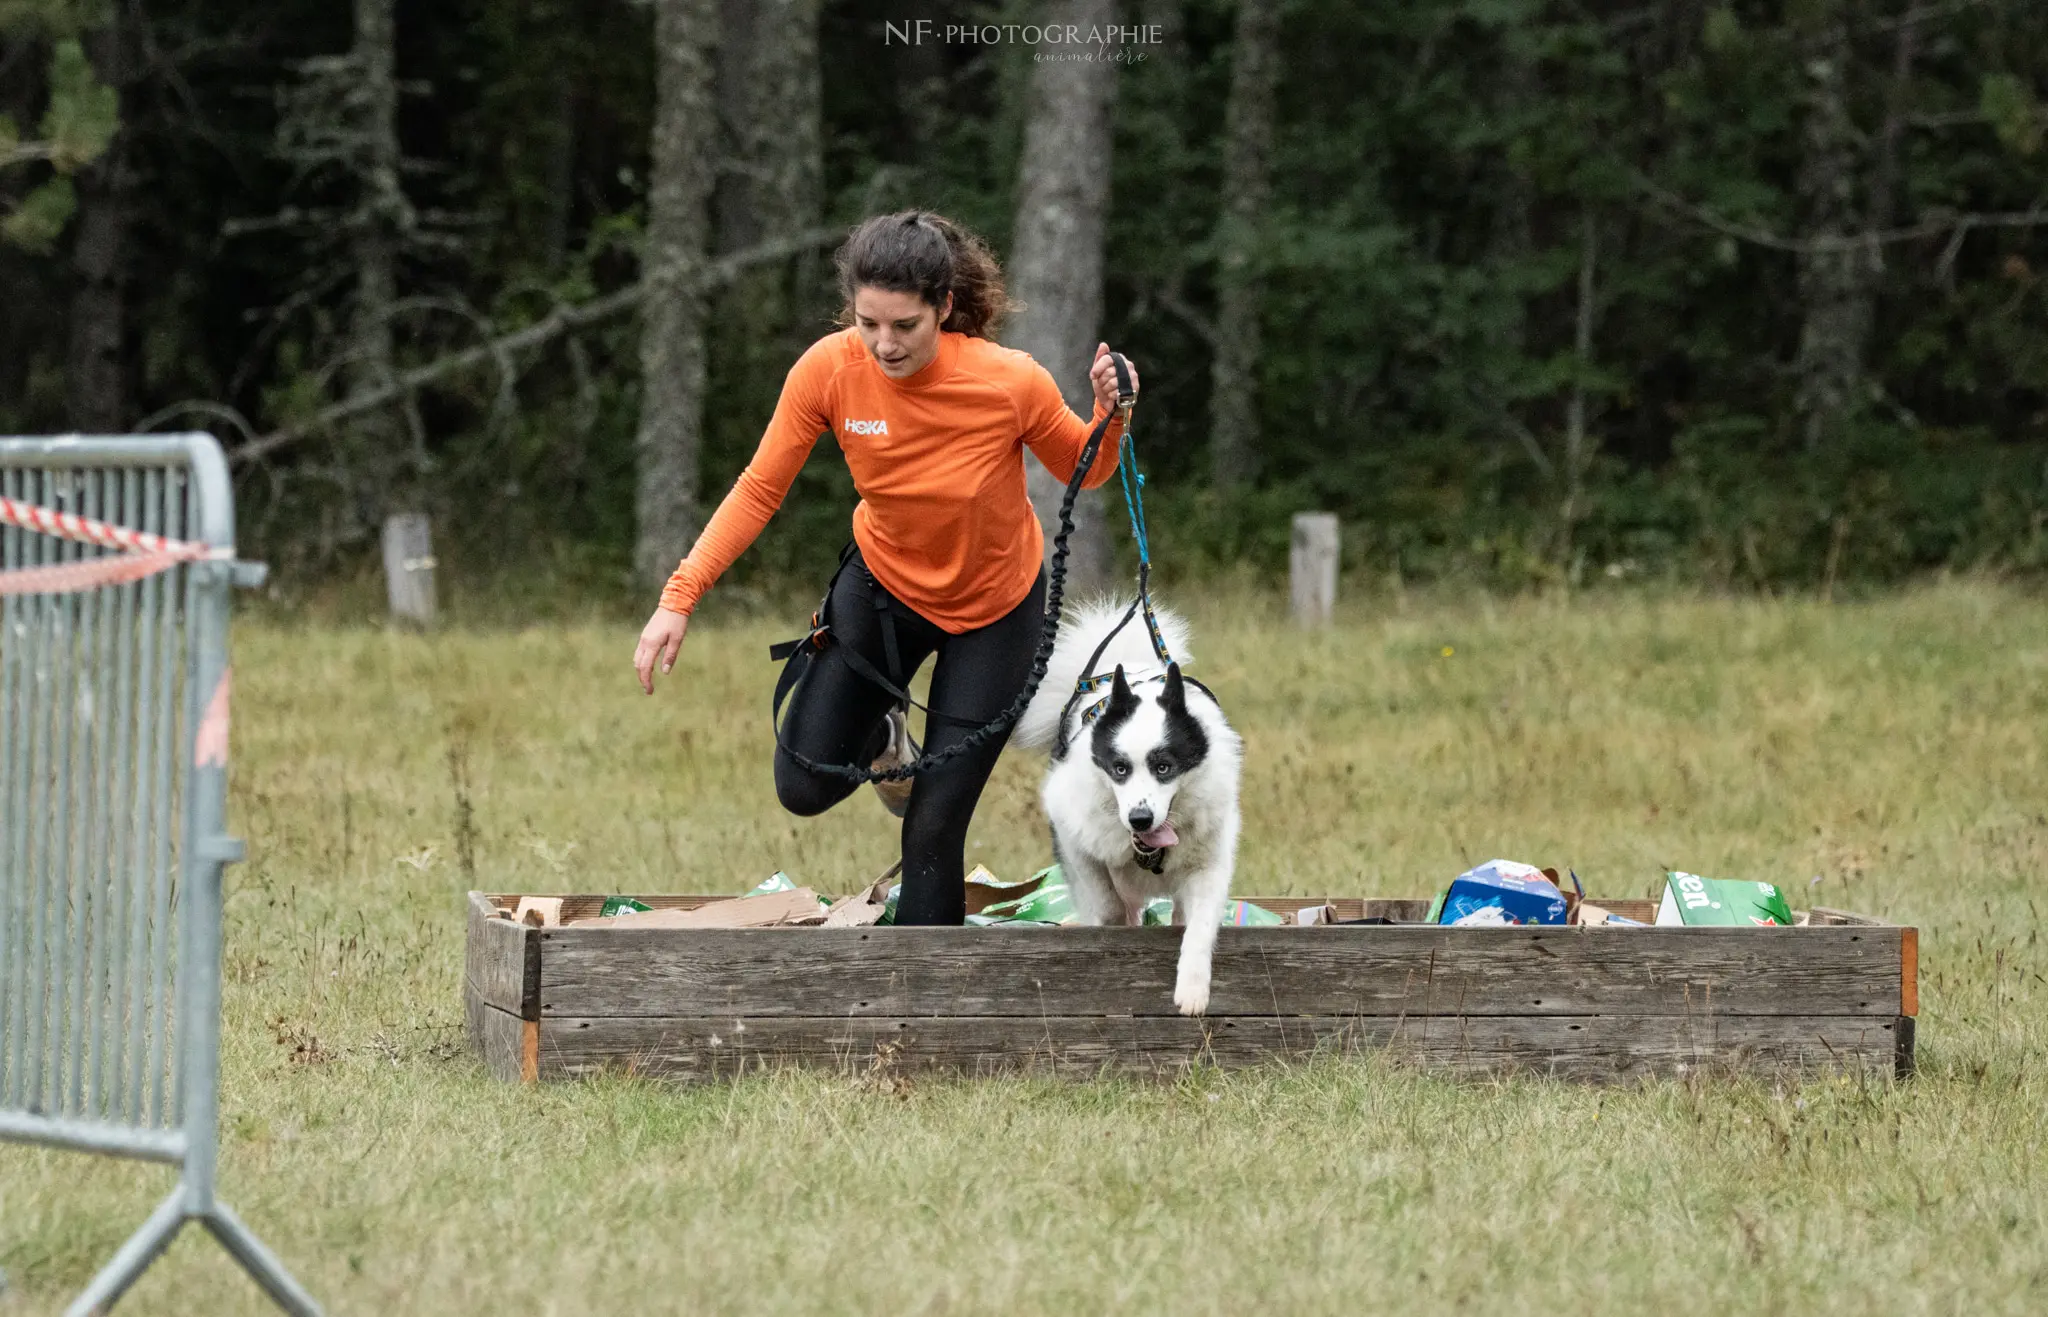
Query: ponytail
x=923, y=252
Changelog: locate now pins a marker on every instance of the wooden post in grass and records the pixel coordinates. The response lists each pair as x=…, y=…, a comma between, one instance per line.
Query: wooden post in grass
x=409, y=567
x=1312, y=567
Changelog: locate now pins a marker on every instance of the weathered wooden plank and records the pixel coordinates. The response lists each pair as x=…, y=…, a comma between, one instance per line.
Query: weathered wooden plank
x=1601, y=1047
x=502, y=960
x=1909, y=971
x=499, y=1037
x=1339, y=971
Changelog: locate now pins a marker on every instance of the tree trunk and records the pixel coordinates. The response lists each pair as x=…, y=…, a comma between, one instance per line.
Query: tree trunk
x=672, y=321
x=1577, y=454
x=736, y=193
x=769, y=101
x=917, y=69
x=796, y=195
x=393, y=465
x=1057, y=254
x=1247, y=152
x=560, y=170
x=792, y=107
x=1884, y=186
x=1511, y=237
x=97, y=366
x=380, y=210
x=1837, y=286
x=770, y=180
x=1170, y=17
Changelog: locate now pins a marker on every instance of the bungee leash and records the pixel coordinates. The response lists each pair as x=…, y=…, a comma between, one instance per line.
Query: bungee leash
x=1090, y=681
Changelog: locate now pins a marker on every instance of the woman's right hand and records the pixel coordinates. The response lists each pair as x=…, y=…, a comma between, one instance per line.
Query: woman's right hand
x=659, y=639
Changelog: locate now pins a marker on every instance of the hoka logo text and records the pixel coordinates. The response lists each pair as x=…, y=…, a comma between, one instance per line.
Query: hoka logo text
x=852, y=426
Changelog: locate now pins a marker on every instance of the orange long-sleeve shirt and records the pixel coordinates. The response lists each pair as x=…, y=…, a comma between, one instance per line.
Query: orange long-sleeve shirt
x=937, y=457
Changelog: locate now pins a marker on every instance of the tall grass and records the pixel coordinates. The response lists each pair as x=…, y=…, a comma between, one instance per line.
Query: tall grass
x=1885, y=756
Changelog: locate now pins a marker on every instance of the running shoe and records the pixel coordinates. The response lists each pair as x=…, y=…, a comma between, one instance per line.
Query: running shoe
x=895, y=792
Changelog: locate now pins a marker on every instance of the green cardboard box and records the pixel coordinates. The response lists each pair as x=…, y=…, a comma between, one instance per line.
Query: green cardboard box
x=1692, y=900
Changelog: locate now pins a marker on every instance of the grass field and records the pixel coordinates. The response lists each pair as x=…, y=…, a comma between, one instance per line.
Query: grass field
x=1885, y=756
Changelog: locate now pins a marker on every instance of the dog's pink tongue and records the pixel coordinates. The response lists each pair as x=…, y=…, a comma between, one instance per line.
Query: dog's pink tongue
x=1156, y=837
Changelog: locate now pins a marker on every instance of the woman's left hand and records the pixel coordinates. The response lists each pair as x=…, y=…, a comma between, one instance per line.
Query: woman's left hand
x=1103, y=375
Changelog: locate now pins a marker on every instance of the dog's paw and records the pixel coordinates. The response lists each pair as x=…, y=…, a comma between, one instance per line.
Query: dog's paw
x=1191, y=995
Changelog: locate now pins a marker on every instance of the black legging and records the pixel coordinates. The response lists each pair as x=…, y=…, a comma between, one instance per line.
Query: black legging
x=836, y=716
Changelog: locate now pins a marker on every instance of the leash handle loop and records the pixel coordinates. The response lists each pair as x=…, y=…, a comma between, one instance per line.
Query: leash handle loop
x=1126, y=396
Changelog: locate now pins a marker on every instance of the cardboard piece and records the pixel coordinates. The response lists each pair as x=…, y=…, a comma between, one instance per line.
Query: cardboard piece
x=539, y=911
x=984, y=889
x=797, y=906
x=1311, y=915
x=862, y=908
x=1588, y=915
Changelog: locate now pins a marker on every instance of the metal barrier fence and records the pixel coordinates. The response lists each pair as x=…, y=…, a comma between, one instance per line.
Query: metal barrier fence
x=113, y=783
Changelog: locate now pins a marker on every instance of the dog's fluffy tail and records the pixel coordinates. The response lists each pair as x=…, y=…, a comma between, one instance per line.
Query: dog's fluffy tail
x=1081, y=630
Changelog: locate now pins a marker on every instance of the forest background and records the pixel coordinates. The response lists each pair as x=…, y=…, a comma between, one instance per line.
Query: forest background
x=1533, y=293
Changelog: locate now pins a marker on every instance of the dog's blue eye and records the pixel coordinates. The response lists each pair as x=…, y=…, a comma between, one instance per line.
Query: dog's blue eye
x=1162, y=767
x=1120, y=768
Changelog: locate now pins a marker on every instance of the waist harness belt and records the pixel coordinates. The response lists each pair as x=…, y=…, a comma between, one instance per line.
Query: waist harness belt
x=796, y=655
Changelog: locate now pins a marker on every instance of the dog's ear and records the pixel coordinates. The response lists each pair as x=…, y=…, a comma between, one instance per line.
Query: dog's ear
x=1120, y=697
x=1175, y=697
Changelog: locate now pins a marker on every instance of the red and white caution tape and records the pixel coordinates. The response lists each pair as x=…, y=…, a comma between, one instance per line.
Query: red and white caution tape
x=141, y=553
x=86, y=574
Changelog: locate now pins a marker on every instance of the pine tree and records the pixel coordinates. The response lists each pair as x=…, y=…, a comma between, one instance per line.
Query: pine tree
x=1247, y=149
x=667, y=514
x=1056, y=256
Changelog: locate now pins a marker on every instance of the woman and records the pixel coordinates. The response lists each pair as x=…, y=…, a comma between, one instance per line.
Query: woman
x=933, y=417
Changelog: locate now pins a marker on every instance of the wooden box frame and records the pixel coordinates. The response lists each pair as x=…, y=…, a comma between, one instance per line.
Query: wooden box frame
x=1838, y=993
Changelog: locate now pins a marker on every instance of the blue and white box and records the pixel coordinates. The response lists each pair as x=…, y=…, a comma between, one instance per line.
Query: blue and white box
x=1502, y=892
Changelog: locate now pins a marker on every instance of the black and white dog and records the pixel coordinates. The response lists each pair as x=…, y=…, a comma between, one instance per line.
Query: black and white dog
x=1143, y=784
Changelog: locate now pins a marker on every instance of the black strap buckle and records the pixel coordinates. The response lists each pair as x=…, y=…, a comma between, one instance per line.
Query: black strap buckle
x=816, y=641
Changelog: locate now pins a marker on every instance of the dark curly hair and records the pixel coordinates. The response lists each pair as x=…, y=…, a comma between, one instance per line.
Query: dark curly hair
x=923, y=252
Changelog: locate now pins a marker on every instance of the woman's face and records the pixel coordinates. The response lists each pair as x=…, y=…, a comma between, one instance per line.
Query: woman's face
x=901, y=330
